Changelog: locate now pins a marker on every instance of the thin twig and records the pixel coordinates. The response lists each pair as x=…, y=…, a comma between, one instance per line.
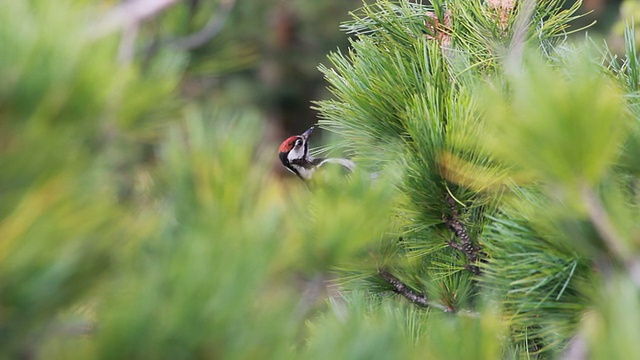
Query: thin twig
x=520, y=28
x=607, y=231
x=127, y=47
x=400, y=288
x=128, y=16
x=125, y=14
x=213, y=28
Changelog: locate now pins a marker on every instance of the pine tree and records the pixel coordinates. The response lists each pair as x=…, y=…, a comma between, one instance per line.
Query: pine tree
x=509, y=147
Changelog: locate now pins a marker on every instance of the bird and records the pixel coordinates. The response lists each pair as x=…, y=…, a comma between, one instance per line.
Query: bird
x=294, y=155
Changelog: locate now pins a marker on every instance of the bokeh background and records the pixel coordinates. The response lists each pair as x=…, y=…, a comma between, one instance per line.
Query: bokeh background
x=266, y=55
x=272, y=49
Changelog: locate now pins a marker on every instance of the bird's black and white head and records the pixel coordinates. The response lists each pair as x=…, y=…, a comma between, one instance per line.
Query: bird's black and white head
x=294, y=155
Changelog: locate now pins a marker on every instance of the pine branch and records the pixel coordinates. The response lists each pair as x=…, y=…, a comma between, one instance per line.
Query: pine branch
x=465, y=245
x=401, y=288
x=609, y=235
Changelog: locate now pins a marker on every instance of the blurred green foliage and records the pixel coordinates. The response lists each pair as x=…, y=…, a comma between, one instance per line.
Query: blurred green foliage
x=583, y=121
x=136, y=224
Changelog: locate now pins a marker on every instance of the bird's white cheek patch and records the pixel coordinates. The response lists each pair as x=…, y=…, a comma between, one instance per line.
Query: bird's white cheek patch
x=296, y=153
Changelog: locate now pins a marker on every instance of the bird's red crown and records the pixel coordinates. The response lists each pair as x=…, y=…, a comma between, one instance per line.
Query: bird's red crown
x=287, y=145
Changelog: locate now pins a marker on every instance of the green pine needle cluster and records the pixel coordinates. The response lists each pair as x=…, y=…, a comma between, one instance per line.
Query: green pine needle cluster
x=514, y=150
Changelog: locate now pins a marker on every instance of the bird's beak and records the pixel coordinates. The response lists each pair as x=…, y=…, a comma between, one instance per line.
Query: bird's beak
x=306, y=134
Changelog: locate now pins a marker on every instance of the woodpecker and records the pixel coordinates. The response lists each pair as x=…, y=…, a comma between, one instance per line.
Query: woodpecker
x=294, y=154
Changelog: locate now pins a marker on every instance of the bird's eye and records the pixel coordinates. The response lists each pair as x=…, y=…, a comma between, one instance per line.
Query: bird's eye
x=298, y=142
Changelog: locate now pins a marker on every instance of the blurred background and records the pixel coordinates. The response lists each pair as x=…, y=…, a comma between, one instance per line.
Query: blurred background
x=265, y=54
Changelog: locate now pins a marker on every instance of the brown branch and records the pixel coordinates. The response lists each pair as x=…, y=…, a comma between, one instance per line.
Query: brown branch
x=465, y=245
x=609, y=235
x=400, y=288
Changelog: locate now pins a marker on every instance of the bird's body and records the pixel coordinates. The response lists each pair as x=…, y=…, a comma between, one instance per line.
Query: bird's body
x=294, y=155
